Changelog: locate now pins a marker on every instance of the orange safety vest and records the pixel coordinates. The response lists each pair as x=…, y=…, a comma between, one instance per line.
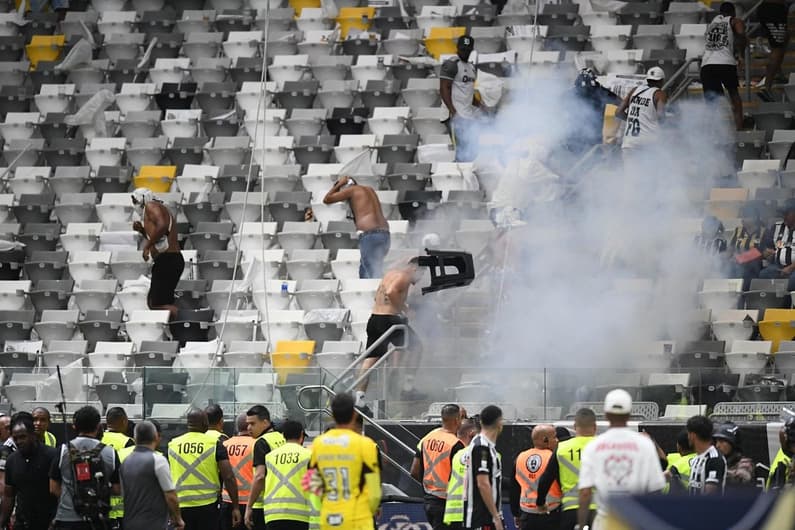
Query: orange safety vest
x=530, y=465
x=437, y=449
x=241, y=458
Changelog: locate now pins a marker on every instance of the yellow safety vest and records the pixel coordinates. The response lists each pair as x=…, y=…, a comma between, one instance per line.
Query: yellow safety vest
x=315, y=503
x=218, y=434
x=569, y=453
x=194, y=469
x=454, y=505
x=682, y=464
x=274, y=440
x=284, y=498
x=49, y=439
x=117, y=441
x=780, y=458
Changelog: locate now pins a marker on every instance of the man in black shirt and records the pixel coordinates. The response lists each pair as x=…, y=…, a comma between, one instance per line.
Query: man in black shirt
x=27, y=481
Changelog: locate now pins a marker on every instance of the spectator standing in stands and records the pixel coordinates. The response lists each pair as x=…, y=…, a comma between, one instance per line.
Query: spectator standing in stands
x=739, y=468
x=620, y=461
x=530, y=465
x=241, y=451
x=374, y=238
x=781, y=468
x=726, y=40
x=157, y=226
x=773, y=15
x=711, y=240
x=62, y=481
x=26, y=487
x=215, y=417
x=745, y=246
x=287, y=505
x=708, y=469
x=148, y=491
x=197, y=460
x=644, y=110
x=483, y=479
x=779, y=245
x=565, y=469
x=433, y=463
x=260, y=427
x=454, y=506
x=41, y=421
x=116, y=437
x=457, y=91
x=390, y=309
x=589, y=110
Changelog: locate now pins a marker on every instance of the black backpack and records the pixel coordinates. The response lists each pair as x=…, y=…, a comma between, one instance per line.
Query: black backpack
x=91, y=496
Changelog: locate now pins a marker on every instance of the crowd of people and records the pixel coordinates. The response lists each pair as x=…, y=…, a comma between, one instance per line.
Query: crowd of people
x=268, y=478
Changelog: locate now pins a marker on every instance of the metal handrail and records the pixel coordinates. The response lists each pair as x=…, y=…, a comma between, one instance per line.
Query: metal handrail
x=680, y=72
x=394, y=328
x=384, y=432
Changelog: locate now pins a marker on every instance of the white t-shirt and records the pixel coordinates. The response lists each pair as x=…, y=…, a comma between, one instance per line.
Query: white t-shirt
x=463, y=75
x=620, y=462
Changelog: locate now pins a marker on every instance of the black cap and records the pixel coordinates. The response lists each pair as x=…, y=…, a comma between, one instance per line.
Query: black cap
x=727, y=431
x=562, y=434
x=466, y=42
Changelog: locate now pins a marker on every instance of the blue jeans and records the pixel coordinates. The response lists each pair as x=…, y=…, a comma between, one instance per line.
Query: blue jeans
x=466, y=139
x=773, y=272
x=373, y=247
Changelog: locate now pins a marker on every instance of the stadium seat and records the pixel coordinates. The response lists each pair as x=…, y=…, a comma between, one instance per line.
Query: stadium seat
x=181, y=123
x=665, y=388
x=292, y=357
x=44, y=48
x=734, y=325
x=784, y=359
x=748, y=356
x=265, y=124
x=16, y=325
x=282, y=325
x=624, y=62
x=331, y=67
x=325, y=324
x=336, y=356
x=276, y=297
x=305, y=122
x=147, y=325
x=191, y=325
x=64, y=352
x=219, y=293
x=683, y=13
x=306, y=263
x=339, y=235
x=211, y=236
x=244, y=354
x=289, y=206
x=421, y=93
x=135, y=97
x=767, y=294
x=140, y=128
x=566, y=37
x=101, y=326
x=313, y=150
x=154, y=354
x=217, y=265
x=242, y=209
x=682, y=412
x=758, y=174
x=80, y=237
x=358, y=295
x=32, y=208
x=51, y=293
x=201, y=206
x=237, y=325
x=317, y=43
x=251, y=386
x=777, y=325
x=297, y=236
x=317, y=294
x=57, y=325
x=104, y=152
x=749, y=145
x=780, y=144
x=253, y=236
x=96, y=295
x=605, y=38
x=771, y=116
x=346, y=265
x=133, y=295
x=719, y=294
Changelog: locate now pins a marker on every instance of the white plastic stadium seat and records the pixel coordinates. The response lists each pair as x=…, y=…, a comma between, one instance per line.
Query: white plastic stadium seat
x=283, y=325
x=54, y=98
x=80, y=237
x=336, y=356
x=273, y=150
x=352, y=145
x=105, y=152
x=359, y=294
x=13, y=294
x=690, y=37
x=734, y=324
x=371, y=68
x=252, y=236
x=147, y=325
x=346, y=265
x=94, y=295
x=748, y=356
x=246, y=354
x=269, y=122
x=624, y=62
x=277, y=297
x=298, y=235
x=135, y=97
x=719, y=294
x=19, y=125
x=389, y=120
x=758, y=174
x=288, y=68
x=253, y=388
x=115, y=208
x=307, y=264
x=520, y=38
x=133, y=296
x=236, y=325
x=114, y=356
x=609, y=38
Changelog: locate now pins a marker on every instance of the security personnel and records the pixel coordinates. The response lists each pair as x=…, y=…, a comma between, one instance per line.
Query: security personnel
x=241, y=452
x=433, y=462
x=215, y=415
x=565, y=468
x=454, y=505
x=260, y=427
x=530, y=465
x=286, y=504
x=41, y=422
x=780, y=468
x=196, y=460
x=679, y=464
x=116, y=437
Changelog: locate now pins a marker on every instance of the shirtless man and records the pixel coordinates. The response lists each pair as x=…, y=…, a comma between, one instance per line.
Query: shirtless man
x=160, y=243
x=374, y=239
x=390, y=309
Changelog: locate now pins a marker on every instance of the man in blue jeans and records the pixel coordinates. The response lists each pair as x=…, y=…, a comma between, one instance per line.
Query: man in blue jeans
x=374, y=237
x=779, y=246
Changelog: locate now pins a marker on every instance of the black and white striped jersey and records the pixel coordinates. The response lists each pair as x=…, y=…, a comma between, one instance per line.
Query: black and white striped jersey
x=483, y=460
x=707, y=468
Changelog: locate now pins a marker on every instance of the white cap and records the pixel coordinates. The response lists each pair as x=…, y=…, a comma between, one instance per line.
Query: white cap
x=655, y=73
x=618, y=401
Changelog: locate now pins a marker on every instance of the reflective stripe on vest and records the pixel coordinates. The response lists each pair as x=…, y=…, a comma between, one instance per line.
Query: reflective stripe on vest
x=241, y=456
x=284, y=499
x=569, y=472
x=779, y=459
x=49, y=439
x=116, y=440
x=274, y=440
x=117, y=503
x=196, y=482
x=436, y=448
x=530, y=465
x=454, y=506
x=314, y=516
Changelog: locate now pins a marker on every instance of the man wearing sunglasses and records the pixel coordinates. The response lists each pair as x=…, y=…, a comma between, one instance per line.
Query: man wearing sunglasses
x=160, y=242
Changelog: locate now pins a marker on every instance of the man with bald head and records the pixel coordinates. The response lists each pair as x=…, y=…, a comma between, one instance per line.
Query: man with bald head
x=241, y=452
x=530, y=465
x=197, y=460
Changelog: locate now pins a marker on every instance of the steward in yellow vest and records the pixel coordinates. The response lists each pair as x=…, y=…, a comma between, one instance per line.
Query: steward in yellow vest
x=530, y=466
x=283, y=497
x=41, y=422
x=197, y=459
x=565, y=468
x=260, y=427
x=454, y=504
x=118, y=424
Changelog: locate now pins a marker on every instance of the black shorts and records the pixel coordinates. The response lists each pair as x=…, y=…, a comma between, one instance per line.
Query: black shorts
x=378, y=325
x=166, y=272
x=773, y=18
x=716, y=77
